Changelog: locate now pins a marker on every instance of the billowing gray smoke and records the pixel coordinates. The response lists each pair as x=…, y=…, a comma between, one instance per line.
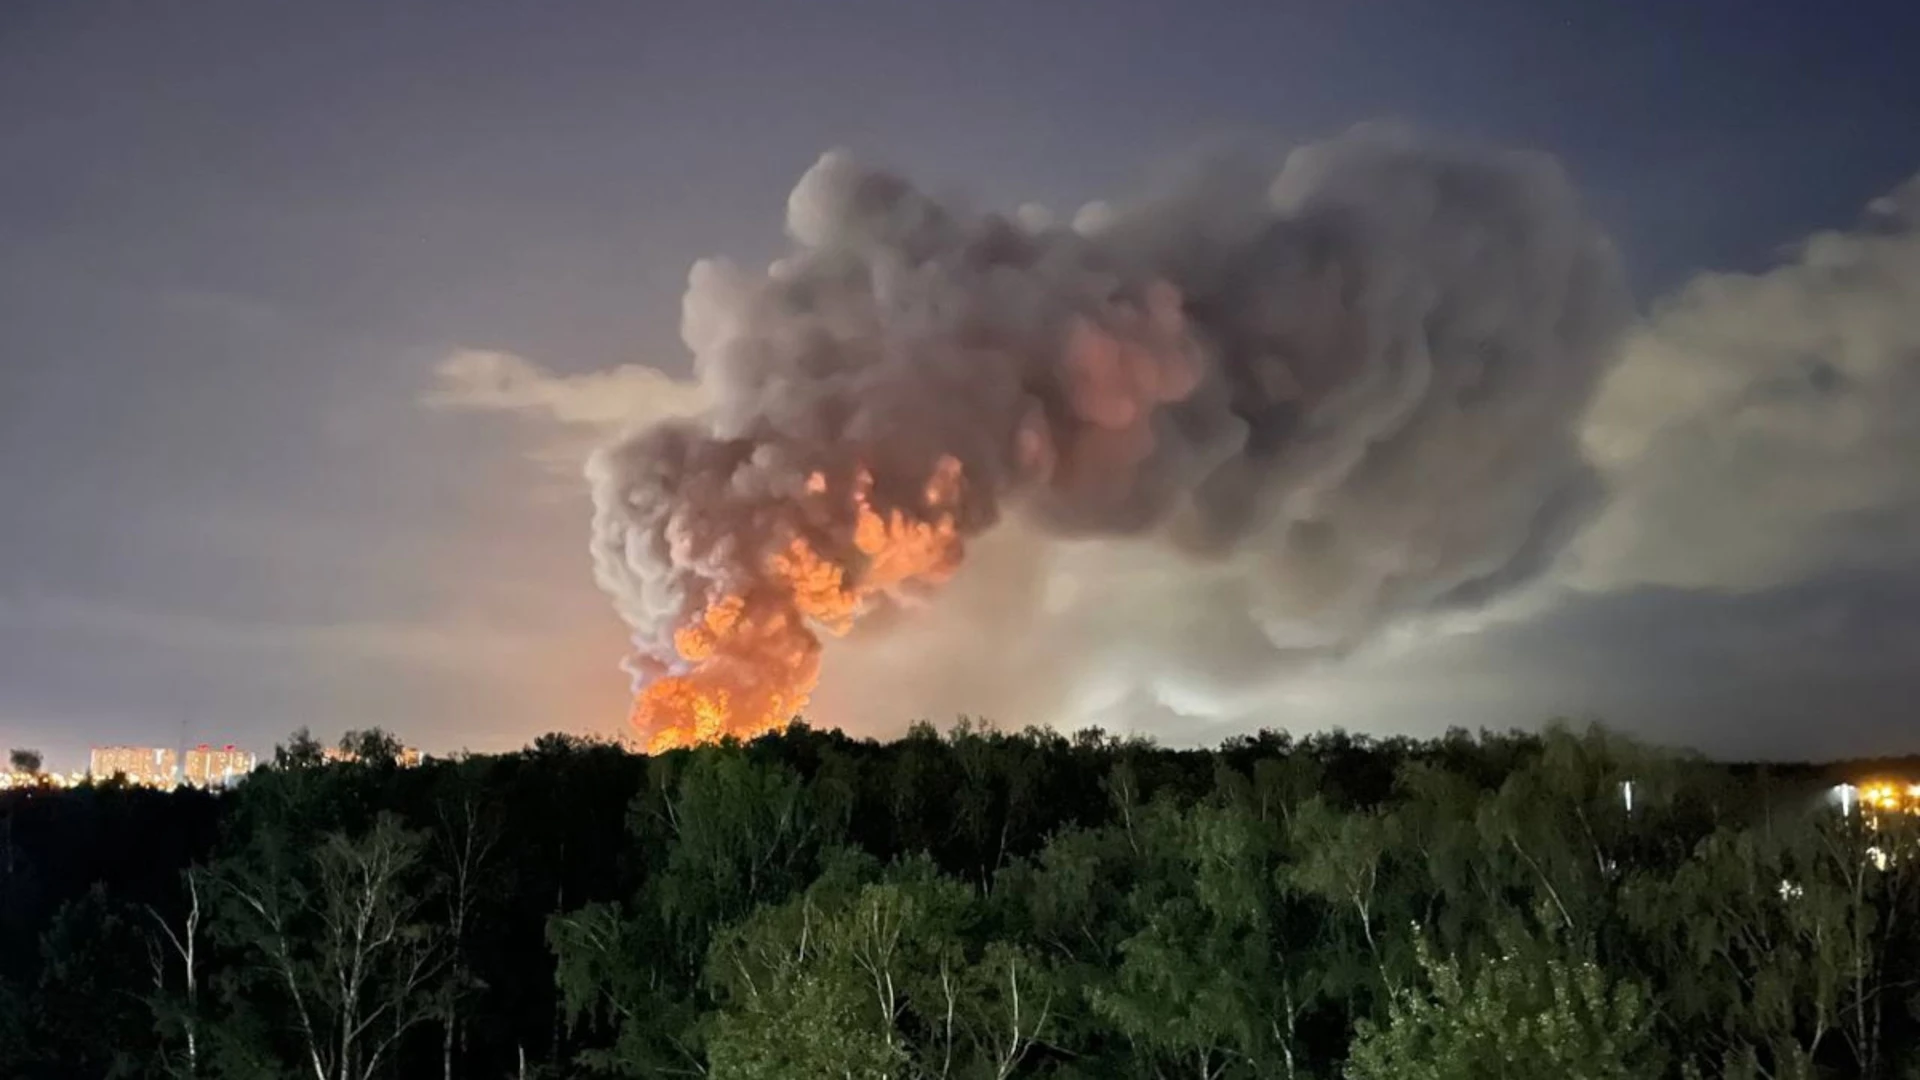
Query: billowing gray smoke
x=1360, y=378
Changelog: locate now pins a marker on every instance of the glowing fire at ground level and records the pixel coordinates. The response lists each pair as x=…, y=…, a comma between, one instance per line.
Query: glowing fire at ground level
x=754, y=658
x=677, y=712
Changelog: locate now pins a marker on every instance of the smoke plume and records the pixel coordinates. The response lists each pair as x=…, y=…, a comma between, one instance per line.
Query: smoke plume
x=1358, y=382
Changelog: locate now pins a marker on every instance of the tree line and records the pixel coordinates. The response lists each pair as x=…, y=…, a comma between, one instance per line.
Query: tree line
x=966, y=904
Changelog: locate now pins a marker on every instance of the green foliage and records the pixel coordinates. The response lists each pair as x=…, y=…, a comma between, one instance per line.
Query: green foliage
x=1216, y=971
x=973, y=903
x=1344, y=860
x=1816, y=921
x=742, y=831
x=886, y=978
x=1530, y=1012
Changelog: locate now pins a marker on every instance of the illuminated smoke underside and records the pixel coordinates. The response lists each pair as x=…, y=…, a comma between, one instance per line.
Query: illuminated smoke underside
x=1362, y=375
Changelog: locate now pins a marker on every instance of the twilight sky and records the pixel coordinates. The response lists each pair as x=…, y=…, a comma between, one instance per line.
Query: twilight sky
x=307, y=313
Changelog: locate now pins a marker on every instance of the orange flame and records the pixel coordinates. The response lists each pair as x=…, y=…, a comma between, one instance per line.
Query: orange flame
x=755, y=657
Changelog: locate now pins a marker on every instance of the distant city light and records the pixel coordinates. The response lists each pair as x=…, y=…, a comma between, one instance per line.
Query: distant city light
x=206, y=765
x=147, y=766
x=1890, y=797
x=33, y=781
x=159, y=767
x=1846, y=795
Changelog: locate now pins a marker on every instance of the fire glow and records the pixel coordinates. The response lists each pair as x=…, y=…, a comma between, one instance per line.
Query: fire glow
x=755, y=658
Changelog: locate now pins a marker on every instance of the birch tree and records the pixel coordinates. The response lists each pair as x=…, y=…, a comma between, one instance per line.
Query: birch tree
x=342, y=936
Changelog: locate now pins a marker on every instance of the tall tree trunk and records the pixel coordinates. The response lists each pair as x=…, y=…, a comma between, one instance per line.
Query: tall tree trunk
x=186, y=946
x=446, y=1050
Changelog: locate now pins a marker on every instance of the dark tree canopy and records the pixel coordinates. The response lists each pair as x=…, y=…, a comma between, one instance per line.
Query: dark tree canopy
x=373, y=746
x=301, y=750
x=970, y=903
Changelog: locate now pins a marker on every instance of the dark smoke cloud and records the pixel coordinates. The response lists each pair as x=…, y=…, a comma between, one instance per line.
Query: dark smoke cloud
x=1356, y=385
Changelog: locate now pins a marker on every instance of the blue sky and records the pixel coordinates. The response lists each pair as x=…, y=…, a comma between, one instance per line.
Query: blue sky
x=237, y=238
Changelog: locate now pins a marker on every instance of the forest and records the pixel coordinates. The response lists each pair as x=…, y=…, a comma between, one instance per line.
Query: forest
x=969, y=904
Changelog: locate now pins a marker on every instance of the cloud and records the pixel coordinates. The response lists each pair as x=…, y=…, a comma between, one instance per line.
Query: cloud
x=571, y=414
x=1762, y=428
